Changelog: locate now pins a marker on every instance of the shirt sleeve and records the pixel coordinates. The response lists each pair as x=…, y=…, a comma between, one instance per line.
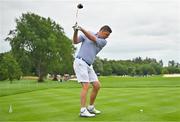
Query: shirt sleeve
x=101, y=42
x=81, y=38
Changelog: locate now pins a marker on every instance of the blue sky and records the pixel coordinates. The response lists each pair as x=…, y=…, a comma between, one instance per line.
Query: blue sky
x=145, y=28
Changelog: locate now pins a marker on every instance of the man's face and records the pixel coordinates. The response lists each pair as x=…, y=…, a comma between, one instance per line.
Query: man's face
x=104, y=34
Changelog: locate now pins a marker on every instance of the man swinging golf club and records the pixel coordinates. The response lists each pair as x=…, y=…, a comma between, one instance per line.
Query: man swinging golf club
x=91, y=44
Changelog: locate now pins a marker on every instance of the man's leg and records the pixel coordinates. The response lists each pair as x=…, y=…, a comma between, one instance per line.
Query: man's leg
x=91, y=108
x=96, y=87
x=84, y=111
x=81, y=71
x=85, y=87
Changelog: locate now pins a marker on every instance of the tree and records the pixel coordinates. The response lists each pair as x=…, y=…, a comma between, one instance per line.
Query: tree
x=171, y=63
x=107, y=69
x=98, y=65
x=165, y=71
x=138, y=70
x=137, y=60
x=131, y=71
x=9, y=68
x=161, y=63
x=157, y=68
x=3, y=72
x=147, y=69
x=172, y=69
x=123, y=70
x=43, y=43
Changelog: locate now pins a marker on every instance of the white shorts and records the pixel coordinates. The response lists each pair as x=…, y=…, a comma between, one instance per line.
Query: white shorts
x=84, y=72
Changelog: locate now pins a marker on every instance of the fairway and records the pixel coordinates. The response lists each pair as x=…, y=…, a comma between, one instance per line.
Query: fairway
x=120, y=99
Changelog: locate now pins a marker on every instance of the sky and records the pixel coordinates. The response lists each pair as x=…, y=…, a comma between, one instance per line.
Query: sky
x=141, y=28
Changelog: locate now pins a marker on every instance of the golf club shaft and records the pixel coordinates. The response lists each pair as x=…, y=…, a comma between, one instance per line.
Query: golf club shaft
x=77, y=15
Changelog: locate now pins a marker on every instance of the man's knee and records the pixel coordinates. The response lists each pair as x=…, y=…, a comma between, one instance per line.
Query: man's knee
x=97, y=85
x=85, y=86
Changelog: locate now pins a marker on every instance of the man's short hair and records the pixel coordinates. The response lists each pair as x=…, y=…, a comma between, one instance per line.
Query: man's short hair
x=106, y=28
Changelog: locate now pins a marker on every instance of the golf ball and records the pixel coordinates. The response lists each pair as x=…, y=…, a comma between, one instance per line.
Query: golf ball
x=141, y=110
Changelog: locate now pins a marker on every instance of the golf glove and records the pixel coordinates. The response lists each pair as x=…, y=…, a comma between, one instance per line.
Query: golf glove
x=76, y=27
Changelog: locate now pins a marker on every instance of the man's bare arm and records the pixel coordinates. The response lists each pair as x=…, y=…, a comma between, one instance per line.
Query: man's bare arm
x=75, y=37
x=88, y=35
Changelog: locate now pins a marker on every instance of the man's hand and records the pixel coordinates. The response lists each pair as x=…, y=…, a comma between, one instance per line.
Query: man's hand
x=76, y=27
x=75, y=35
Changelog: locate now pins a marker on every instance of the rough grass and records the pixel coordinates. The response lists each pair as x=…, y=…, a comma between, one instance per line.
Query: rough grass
x=120, y=99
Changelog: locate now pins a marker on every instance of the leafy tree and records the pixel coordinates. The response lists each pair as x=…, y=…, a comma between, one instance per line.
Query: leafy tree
x=147, y=69
x=157, y=68
x=165, y=71
x=40, y=43
x=107, y=67
x=138, y=70
x=98, y=65
x=3, y=72
x=161, y=63
x=9, y=68
x=171, y=63
x=131, y=71
x=115, y=68
x=172, y=69
x=137, y=60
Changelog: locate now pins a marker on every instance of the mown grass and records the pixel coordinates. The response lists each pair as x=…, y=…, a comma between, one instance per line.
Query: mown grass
x=120, y=99
x=156, y=81
x=23, y=86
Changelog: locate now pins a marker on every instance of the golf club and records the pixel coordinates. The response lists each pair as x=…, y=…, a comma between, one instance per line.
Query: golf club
x=79, y=6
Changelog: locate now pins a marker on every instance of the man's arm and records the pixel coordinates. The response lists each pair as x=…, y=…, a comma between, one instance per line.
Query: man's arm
x=88, y=35
x=75, y=37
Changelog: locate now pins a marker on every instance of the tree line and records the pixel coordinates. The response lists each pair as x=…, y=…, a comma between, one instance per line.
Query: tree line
x=135, y=67
x=11, y=69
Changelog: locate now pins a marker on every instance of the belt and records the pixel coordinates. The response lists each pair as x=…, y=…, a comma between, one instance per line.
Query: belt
x=83, y=60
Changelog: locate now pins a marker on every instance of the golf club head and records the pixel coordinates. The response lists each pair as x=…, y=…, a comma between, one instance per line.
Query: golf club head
x=79, y=6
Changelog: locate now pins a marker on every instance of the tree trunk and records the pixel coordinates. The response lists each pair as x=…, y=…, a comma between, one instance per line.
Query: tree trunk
x=40, y=79
x=40, y=74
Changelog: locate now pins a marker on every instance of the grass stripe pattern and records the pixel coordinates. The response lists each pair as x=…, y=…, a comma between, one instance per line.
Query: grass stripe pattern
x=120, y=99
